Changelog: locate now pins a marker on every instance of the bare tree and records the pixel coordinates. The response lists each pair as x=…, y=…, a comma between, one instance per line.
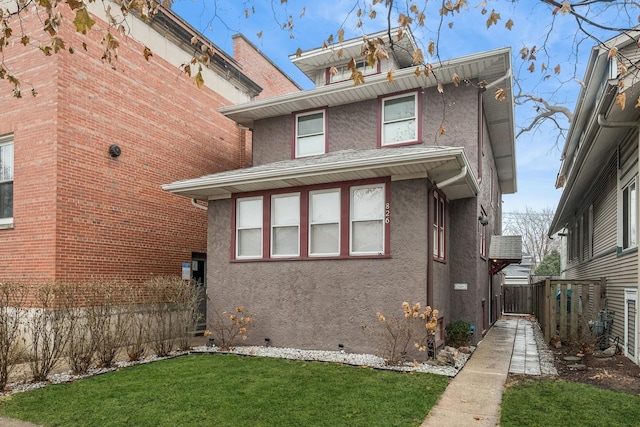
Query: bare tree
x=542, y=71
x=533, y=226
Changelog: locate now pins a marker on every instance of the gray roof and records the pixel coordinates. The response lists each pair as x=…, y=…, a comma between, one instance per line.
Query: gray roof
x=447, y=166
x=506, y=248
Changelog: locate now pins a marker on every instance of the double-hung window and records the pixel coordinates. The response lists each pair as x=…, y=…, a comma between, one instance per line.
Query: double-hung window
x=249, y=227
x=310, y=137
x=285, y=225
x=629, y=214
x=324, y=222
x=6, y=180
x=439, y=223
x=348, y=219
x=399, y=119
x=367, y=219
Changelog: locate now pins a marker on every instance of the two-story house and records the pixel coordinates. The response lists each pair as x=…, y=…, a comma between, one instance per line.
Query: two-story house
x=598, y=209
x=82, y=162
x=357, y=200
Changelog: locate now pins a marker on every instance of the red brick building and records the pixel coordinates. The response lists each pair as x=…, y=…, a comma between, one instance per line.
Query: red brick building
x=84, y=160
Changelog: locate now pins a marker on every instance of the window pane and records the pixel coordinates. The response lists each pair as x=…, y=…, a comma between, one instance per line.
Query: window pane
x=6, y=162
x=325, y=207
x=367, y=203
x=399, y=108
x=311, y=124
x=310, y=145
x=324, y=239
x=250, y=242
x=249, y=213
x=286, y=210
x=400, y=131
x=6, y=200
x=285, y=241
x=366, y=236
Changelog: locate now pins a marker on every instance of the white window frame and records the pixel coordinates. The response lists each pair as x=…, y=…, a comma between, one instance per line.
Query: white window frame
x=313, y=223
x=384, y=121
x=298, y=139
x=240, y=228
x=343, y=72
x=629, y=215
x=277, y=224
x=7, y=174
x=380, y=218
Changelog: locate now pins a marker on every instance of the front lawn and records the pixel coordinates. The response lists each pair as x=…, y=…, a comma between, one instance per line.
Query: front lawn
x=231, y=390
x=565, y=404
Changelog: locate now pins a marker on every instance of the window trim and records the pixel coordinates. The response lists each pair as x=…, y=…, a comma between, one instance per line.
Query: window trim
x=417, y=115
x=325, y=123
x=311, y=224
x=236, y=229
x=628, y=217
x=304, y=244
x=439, y=226
x=274, y=226
x=383, y=217
x=7, y=140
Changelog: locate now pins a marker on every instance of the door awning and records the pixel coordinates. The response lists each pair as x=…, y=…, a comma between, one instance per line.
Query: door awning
x=503, y=251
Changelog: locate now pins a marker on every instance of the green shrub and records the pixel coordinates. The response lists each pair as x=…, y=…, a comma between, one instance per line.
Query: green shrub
x=458, y=333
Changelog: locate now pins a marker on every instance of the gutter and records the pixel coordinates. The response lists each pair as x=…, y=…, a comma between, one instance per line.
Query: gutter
x=453, y=179
x=195, y=203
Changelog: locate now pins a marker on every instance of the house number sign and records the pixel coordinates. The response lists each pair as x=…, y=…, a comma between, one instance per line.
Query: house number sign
x=387, y=213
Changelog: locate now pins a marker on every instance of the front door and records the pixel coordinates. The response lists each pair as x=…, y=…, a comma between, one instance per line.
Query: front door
x=630, y=322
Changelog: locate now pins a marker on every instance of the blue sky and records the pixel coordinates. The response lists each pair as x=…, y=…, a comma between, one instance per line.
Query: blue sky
x=538, y=152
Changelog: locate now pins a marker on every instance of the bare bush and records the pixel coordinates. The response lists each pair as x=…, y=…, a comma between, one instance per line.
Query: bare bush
x=229, y=327
x=404, y=337
x=12, y=300
x=48, y=327
x=109, y=319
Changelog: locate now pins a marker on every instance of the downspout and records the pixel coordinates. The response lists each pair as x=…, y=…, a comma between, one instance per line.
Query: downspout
x=430, y=207
x=195, y=203
x=449, y=181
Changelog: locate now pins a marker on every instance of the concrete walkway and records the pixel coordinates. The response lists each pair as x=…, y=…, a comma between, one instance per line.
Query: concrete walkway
x=474, y=396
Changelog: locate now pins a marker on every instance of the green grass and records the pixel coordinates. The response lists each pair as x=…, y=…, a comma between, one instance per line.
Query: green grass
x=565, y=404
x=231, y=390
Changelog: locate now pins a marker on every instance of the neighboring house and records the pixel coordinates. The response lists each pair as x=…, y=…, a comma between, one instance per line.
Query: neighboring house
x=519, y=274
x=598, y=209
x=84, y=160
x=355, y=203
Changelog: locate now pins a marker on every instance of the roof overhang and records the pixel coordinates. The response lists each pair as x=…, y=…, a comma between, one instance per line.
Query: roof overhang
x=504, y=251
x=588, y=143
x=448, y=166
x=492, y=67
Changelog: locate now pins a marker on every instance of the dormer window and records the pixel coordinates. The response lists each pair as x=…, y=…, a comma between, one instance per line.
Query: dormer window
x=399, y=120
x=343, y=73
x=310, y=138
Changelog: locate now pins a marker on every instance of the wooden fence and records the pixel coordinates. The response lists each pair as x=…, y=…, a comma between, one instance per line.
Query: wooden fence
x=517, y=299
x=564, y=307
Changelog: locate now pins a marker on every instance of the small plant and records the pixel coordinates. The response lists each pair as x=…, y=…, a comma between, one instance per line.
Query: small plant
x=458, y=333
x=231, y=326
x=404, y=337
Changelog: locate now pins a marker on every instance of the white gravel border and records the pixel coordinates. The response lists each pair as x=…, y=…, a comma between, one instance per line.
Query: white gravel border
x=354, y=359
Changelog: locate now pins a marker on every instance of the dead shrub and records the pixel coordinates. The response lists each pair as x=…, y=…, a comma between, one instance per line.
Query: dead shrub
x=229, y=327
x=13, y=297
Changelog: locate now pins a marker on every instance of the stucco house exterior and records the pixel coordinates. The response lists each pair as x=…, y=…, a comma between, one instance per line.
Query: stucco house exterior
x=357, y=202
x=82, y=162
x=598, y=209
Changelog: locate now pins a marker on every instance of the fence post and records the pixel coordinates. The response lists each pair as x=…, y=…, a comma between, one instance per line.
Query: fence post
x=576, y=292
x=546, y=312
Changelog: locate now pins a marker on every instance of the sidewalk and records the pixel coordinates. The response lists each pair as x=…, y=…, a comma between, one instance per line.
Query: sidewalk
x=474, y=396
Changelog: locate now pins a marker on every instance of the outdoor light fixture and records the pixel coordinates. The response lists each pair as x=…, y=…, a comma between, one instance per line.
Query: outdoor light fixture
x=341, y=348
x=114, y=150
x=267, y=342
x=484, y=220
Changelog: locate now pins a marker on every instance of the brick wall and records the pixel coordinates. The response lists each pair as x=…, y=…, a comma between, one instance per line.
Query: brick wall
x=80, y=213
x=260, y=69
